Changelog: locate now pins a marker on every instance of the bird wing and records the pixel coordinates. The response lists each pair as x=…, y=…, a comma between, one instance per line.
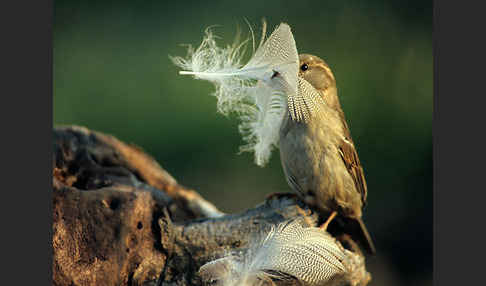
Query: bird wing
x=351, y=160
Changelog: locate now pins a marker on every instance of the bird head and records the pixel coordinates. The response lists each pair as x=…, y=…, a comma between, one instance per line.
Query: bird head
x=318, y=73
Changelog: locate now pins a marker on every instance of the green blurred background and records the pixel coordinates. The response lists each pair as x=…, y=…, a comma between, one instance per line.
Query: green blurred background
x=112, y=74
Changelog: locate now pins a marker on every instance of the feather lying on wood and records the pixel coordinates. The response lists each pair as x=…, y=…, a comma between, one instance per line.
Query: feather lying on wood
x=306, y=255
x=255, y=91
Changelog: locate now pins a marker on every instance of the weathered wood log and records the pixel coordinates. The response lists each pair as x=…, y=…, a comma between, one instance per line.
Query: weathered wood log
x=120, y=219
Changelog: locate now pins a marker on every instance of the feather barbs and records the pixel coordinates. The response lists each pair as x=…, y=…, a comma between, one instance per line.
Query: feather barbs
x=255, y=91
x=289, y=250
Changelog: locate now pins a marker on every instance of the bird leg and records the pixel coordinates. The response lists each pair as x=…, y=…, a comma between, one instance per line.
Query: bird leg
x=329, y=219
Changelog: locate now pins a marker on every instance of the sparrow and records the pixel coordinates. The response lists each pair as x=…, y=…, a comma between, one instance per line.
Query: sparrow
x=317, y=153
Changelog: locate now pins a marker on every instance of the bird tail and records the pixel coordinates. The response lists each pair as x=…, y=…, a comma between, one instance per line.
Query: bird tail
x=365, y=238
x=356, y=228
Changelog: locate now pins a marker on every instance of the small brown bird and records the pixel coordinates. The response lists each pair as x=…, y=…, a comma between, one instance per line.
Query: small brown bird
x=318, y=154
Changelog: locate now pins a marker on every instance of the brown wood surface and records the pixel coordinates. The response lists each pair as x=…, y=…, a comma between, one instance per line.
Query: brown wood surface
x=120, y=219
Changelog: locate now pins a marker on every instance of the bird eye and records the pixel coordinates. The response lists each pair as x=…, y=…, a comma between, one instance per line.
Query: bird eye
x=304, y=67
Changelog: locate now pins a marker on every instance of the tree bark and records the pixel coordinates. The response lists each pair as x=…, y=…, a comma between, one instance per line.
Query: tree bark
x=120, y=219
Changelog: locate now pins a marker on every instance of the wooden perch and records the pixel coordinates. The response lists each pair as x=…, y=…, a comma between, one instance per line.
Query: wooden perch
x=120, y=219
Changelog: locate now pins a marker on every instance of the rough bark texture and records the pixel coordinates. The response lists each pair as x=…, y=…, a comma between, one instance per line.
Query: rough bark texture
x=120, y=219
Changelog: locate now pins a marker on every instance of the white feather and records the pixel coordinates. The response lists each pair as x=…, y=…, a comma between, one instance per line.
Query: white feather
x=307, y=254
x=261, y=122
x=255, y=91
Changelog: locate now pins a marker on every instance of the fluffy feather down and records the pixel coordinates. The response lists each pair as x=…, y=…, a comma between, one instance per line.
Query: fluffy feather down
x=255, y=91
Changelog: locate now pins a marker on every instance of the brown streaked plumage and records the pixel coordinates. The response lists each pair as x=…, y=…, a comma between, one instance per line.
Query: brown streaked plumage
x=318, y=155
